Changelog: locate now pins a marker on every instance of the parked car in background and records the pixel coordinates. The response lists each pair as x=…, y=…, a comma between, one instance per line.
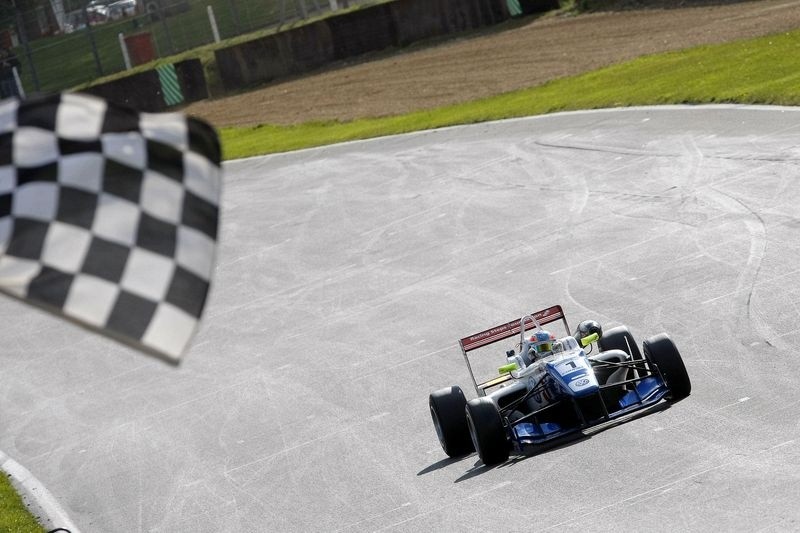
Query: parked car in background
x=157, y=8
x=123, y=8
x=100, y=11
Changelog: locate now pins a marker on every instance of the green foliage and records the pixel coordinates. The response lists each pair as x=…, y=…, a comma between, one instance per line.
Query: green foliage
x=13, y=514
x=757, y=71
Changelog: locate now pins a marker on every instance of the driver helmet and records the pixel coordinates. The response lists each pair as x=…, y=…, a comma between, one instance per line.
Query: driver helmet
x=542, y=342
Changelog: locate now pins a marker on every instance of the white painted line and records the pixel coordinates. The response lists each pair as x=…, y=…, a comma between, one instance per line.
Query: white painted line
x=532, y=118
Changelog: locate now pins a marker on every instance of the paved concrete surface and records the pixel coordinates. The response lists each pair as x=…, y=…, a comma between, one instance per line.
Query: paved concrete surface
x=347, y=274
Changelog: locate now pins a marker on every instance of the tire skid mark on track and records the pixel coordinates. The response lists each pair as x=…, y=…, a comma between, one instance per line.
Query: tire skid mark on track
x=735, y=292
x=668, y=155
x=588, y=311
x=578, y=187
x=373, y=517
x=383, y=228
x=368, y=375
x=616, y=251
x=610, y=150
x=695, y=163
x=493, y=488
x=303, y=444
x=749, y=278
x=661, y=489
x=353, y=270
x=701, y=414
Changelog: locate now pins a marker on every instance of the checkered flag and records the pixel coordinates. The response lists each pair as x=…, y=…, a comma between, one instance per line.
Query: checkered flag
x=109, y=216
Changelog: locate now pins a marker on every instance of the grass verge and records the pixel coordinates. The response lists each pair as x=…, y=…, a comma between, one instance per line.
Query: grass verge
x=765, y=70
x=14, y=516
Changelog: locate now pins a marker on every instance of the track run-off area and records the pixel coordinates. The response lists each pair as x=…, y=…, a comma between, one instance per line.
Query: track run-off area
x=346, y=276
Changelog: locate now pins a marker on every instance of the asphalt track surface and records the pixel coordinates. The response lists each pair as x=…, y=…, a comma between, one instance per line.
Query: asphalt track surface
x=346, y=275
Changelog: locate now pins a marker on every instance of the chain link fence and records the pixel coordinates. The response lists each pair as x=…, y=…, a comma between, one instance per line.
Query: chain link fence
x=60, y=44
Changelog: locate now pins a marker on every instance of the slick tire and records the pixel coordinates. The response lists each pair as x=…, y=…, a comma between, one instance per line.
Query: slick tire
x=620, y=338
x=662, y=354
x=487, y=431
x=448, y=411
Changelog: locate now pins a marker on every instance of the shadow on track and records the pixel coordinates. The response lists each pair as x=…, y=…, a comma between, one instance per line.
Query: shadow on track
x=478, y=467
x=447, y=461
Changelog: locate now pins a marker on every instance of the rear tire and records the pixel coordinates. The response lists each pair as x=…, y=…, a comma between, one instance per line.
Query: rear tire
x=487, y=431
x=448, y=411
x=662, y=353
x=620, y=338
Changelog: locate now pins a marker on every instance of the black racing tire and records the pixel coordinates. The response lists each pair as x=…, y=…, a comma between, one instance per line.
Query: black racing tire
x=662, y=354
x=615, y=339
x=487, y=431
x=448, y=411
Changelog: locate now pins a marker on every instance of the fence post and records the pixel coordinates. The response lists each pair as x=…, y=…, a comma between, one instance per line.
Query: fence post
x=92, y=43
x=18, y=81
x=333, y=4
x=23, y=35
x=124, y=47
x=283, y=12
x=98, y=65
x=213, y=21
x=303, y=9
x=235, y=14
x=160, y=14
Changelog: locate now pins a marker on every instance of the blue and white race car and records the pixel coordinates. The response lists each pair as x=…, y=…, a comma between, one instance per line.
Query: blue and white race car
x=552, y=387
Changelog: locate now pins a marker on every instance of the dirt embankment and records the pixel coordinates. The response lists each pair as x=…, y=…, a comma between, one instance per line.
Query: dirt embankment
x=512, y=56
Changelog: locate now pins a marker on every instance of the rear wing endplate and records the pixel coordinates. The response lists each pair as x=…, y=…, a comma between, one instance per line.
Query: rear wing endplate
x=504, y=331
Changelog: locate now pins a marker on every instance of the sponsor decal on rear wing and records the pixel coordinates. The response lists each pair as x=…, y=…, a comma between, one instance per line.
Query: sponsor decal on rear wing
x=509, y=329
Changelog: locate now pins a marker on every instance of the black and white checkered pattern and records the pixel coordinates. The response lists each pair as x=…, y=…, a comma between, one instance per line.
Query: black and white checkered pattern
x=109, y=216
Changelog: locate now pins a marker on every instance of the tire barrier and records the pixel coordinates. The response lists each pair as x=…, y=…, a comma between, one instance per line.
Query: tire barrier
x=157, y=89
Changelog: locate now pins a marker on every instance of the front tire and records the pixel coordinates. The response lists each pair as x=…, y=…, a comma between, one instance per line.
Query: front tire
x=487, y=431
x=620, y=338
x=448, y=411
x=662, y=353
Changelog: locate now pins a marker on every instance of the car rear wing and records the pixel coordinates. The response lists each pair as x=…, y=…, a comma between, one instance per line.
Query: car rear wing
x=504, y=331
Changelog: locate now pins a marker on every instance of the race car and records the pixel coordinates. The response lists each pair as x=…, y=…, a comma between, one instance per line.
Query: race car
x=552, y=388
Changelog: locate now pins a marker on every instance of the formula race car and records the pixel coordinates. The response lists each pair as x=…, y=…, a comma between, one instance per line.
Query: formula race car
x=552, y=388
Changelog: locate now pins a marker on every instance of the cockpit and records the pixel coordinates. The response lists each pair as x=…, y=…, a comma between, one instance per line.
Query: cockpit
x=565, y=344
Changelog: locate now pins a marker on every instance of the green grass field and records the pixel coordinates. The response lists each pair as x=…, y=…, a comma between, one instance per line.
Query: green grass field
x=758, y=71
x=14, y=517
